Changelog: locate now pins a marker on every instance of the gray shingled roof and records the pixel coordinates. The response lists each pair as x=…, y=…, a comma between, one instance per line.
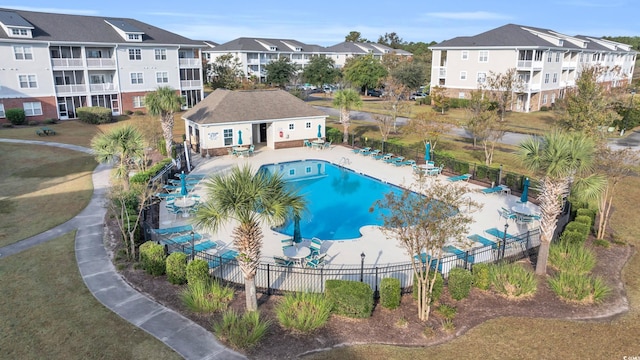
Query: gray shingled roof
x=225, y=106
x=123, y=25
x=512, y=35
x=251, y=44
x=356, y=48
x=10, y=18
x=84, y=29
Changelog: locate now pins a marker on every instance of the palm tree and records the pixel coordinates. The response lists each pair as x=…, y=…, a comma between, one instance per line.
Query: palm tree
x=164, y=102
x=248, y=199
x=563, y=161
x=345, y=100
x=125, y=145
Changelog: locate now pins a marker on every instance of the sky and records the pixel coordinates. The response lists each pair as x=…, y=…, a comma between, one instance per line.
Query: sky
x=327, y=22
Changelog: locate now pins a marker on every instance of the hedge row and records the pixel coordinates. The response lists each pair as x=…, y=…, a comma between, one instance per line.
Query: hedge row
x=144, y=176
x=350, y=298
x=94, y=115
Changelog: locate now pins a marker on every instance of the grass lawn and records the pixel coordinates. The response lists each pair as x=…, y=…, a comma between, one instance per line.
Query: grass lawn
x=48, y=313
x=43, y=187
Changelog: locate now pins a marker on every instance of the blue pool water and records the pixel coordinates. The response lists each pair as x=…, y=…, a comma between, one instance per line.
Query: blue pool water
x=338, y=199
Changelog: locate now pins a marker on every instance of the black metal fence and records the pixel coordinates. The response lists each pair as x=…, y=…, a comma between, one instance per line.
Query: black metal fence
x=276, y=279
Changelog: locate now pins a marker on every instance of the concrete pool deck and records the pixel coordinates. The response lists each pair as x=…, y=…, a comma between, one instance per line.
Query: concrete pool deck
x=378, y=249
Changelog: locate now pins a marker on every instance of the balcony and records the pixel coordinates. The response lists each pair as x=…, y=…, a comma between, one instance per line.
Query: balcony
x=529, y=65
x=189, y=62
x=70, y=89
x=190, y=83
x=104, y=87
x=101, y=63
x=66, y=62
x=442, y=73
x=530, y=88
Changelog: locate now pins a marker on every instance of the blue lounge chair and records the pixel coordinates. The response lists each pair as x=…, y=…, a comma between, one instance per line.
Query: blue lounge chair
x=381, y=156
x=483, y=240
x=201, y=246
x=404, y=163
x=356, y=150
x=394, y=160
x=224, y=258
x=424, y=258
x=464, y=177
x=460, y=254
x=499, y=234
x=492, y=190
x=173, y=230
x=373, y=153
x=183, y=239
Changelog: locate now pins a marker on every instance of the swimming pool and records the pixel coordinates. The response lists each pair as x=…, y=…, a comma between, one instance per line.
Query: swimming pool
x=338, y=199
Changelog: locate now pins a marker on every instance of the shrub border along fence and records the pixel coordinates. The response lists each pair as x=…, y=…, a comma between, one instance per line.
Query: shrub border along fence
x=275, y=279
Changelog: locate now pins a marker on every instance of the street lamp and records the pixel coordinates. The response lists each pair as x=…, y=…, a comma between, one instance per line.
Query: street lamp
x=362, y=267
x=193, y=244
x=504, y=237
x=626, y=115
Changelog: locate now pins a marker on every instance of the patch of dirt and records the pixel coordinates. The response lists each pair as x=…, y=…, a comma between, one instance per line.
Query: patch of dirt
x=401, y=326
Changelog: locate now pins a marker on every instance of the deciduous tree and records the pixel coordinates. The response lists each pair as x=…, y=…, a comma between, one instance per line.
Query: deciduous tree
x=226, y=72
x=281, y=71
x=320, y=70
x=440, y=99
x=422, y=224
x=428, y=127
x=364, y=71
x=501, y=87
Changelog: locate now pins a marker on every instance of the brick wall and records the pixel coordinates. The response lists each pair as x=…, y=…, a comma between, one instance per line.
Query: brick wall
x=48, y=103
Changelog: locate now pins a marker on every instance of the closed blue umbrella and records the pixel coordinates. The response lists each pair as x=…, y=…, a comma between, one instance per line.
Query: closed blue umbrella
x=427, y=151
x=319, y=131
x=239, y=137
x=525, y=191
x=183, y=184
x=297, y=236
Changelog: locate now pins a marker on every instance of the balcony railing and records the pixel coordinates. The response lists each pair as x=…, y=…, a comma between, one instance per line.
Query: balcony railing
x=529, y=64
x=102, y=87
x=70, y=89
x=189, y=62
x=190, y=83
x=529, y=88
x=442, y=73
x=100, y=62
x=67, y=62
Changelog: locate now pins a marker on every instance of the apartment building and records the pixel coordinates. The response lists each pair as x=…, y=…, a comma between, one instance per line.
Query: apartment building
x=52, y=64
x=546, y=62
x=256, y=53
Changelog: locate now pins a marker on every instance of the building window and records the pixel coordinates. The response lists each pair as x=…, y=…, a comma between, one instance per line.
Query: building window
x=19, y=32
x=555, y=78
x=307, y=125
x=28, y=81
x=465, y=55
x=483, y=56
x=22, y=52
x=32, y=108
x=307, y=170
x=133, y=36
x=162, y=77
x=161, y=54
x=136, y=78
x=558, y=56
x=482, y=77
x=549, y=56
x=135, y=54
x=463, y=75
x=546, y=78
x=292, y=127
x=537, y=55
x=2, y=111
x=138, y=101
x=227, y=135
x=544, y=98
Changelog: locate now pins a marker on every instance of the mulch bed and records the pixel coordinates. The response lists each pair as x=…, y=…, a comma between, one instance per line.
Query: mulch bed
x=384, y=326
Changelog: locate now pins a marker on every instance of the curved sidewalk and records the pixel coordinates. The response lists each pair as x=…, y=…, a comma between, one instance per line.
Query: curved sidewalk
x=184, y=336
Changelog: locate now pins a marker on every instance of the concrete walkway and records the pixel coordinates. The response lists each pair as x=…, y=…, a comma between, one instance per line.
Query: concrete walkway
x=187, y=338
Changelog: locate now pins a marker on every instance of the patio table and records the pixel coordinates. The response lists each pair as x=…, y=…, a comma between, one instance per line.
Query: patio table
x=184, y=203
x=297, y=254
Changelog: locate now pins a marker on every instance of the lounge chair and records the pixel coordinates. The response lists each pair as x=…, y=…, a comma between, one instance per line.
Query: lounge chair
x=381, y=156
x=394, y=160
x=373, y=153
x=356, y=150
x=279, y=260
x=201, y=246
x=464, y=177
x=173, y=230
x=499, y=234
x=404, y=163
x=195, y=176
x=223, y=258
x=182, y=239
x=365, y=151
x=424, y=258
x=496, y=189
x=483, y=240
x=460, y=254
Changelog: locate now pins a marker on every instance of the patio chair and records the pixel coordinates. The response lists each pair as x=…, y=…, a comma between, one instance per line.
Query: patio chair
x=327, y=145
x=315, y=246
x=463, y=177
x=317, y=262
x=251, y=150
x=417, y=169
x=279, y=260
x=307, y=143
x=507, y=214
x=434, y=171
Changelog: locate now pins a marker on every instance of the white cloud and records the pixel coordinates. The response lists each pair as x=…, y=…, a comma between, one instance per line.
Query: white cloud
x=52, y=10
x=475, y=15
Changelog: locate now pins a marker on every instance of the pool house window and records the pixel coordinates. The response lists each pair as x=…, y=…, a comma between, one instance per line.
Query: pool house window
x=227, y=135
x=307, y=125
x=292, y=127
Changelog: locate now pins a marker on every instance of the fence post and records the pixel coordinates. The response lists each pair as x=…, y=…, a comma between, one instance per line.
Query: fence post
x=268, y=279
x=376, y=293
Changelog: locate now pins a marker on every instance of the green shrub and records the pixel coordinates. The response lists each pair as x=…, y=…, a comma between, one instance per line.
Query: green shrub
x=512, y=280
x=241, y=332
x=152, y=257
x=50, y=121
x=447, y=311
x=459, y=283
x=206, y=296
x=437, y=287
x=34, y=123
x=573, y=237
x=143, y=177
x=583, y=229
x=161, y=147
x=16, y=116
x=583, y=219
x=177, y=268
x=94, y=115
x=390, y=293
x=587, y=212
x=197, y=271
x=455, y=103
x=601, y=242
x=481, y=278
x=128, y=112
x=138, y=113
x=572, y=258
x=350, y=298
x=579, y=287
x=303, y=312
x=544, y=108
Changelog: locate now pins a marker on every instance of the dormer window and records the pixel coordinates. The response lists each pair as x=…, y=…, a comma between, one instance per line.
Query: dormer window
x=19, y=32
x=561, y=42
x=273, y=48
x=298, y=49
x=133, y=36
x=127, y=31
